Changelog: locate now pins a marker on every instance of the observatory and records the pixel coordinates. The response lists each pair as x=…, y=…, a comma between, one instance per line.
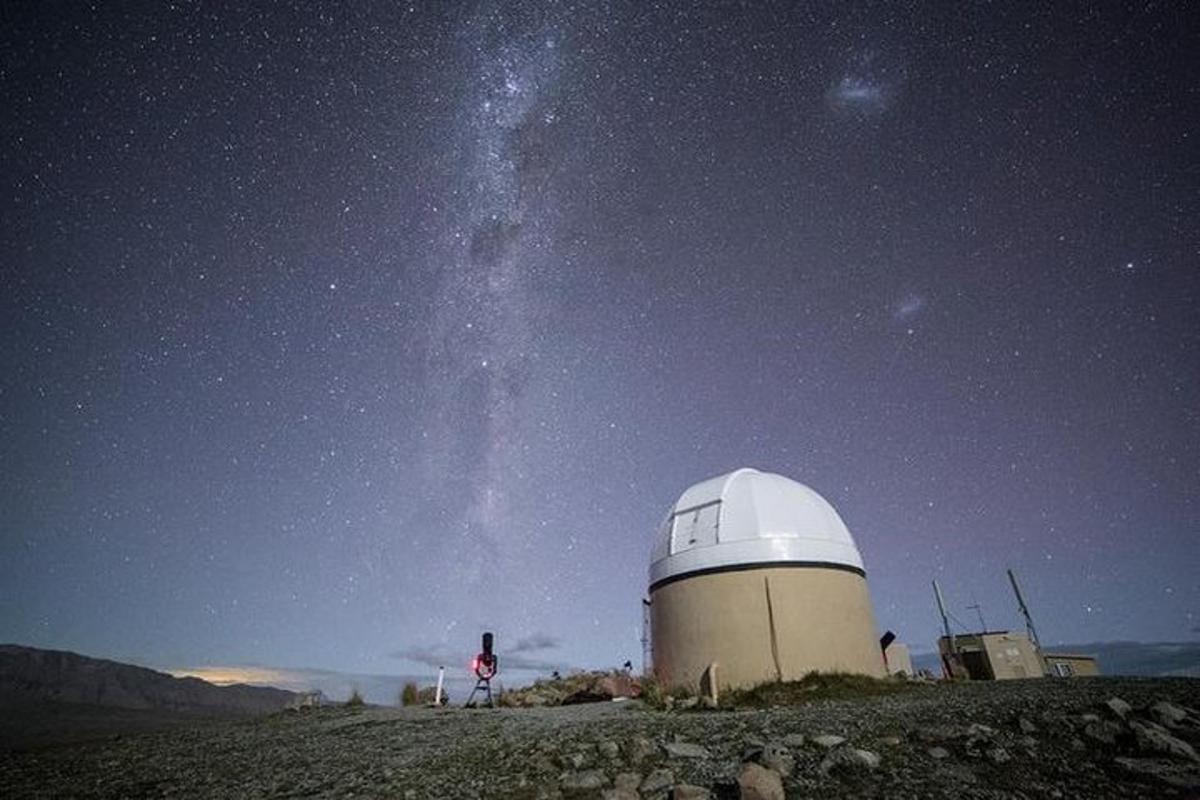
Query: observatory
x=757, y=574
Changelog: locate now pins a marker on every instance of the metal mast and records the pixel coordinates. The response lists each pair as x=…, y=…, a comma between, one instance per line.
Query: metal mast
x=937, y=592
x=1032, y=631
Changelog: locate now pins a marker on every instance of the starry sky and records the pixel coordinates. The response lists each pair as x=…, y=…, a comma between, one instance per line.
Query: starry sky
x=337, y=333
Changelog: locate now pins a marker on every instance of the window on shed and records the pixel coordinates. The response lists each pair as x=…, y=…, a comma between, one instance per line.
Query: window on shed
x=695, y=527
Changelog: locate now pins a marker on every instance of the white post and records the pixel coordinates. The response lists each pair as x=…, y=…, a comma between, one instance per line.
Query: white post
x=437, y=697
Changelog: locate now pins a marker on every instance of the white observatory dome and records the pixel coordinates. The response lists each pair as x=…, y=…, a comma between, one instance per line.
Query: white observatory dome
x=749, y=519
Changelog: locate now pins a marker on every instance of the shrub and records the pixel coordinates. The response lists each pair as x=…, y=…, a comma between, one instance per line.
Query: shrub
x=652, y=692
x=409, y=695
x=356, y=699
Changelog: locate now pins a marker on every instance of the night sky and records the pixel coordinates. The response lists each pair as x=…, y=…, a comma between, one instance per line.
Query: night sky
x=334, y=334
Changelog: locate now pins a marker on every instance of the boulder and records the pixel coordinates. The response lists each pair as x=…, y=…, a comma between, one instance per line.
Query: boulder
x=1118, y=707
x=627, y=780
x=1154, y=739
x=686, y=791
x=756, y=782
x=1168, y=715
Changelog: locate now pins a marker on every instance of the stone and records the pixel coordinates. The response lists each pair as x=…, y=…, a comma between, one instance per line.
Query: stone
x=627, y=780
x=1151, y=738
x=938, y=752
x=620, y=794
x=1104, y=731
x=586, y=781
x=756, y=782
x=638, y=749
x=688, y=702
x=608, y=749
x=998, y=755
x=794, y=740
x=978, y=731
x=849, y=758
x=828, y=740
x=1168, y=772
x=1165, y=713
x=685, y=750
x=657, y=781
x=686, y=791
x=890, y=741
x=572, y=760
x=778, y=757
x=1026, y=725
x=1118, y=707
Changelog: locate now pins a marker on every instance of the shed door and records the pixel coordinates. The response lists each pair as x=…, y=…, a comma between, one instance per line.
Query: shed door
x=696, y=527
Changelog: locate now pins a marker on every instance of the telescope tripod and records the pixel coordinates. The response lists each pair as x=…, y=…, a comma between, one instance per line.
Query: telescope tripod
x=484, y=685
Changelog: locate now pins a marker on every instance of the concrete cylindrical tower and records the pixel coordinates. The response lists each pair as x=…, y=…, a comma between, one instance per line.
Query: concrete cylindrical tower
x=758, y=574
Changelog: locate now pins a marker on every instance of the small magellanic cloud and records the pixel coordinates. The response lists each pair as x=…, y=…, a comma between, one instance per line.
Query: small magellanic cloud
x=907, y=307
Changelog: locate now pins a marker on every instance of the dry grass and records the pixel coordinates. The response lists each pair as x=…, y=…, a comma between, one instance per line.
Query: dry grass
x=812, y=687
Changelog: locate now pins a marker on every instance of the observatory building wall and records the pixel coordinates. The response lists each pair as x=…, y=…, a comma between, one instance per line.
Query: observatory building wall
x=757, y=574
x=763, y=624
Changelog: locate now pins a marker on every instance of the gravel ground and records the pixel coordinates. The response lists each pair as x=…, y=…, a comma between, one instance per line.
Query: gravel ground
x=1019, y=739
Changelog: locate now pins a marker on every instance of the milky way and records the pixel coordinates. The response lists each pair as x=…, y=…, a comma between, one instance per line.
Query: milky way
x=496, y=246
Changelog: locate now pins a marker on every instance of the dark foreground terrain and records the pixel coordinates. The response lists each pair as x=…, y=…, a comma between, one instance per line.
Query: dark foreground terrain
x=1022, y=739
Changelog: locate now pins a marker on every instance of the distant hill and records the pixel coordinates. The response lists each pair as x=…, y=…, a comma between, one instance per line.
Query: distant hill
x=29, y=675
x=1181, y=659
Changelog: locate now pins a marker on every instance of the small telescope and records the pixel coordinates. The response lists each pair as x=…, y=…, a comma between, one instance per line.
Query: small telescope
x=485, y=666
x=485, y=663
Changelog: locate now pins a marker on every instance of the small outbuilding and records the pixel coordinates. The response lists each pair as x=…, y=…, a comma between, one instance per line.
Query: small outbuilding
x=758, y=575
x=993, y=655
x=1070, y=665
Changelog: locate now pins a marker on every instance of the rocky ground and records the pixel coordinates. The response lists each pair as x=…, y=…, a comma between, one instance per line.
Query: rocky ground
x=1087, y=738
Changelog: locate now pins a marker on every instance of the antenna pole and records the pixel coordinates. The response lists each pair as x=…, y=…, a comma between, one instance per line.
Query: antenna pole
x=1032, y=631
x=937, y=592
x=978, y=609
